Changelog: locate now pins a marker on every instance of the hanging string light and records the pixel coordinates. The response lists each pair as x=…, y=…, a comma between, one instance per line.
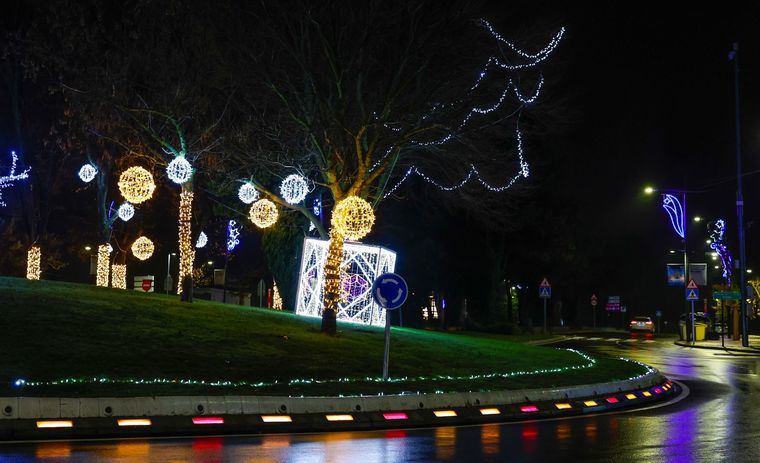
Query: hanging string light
x=263, y=213
x=186, y=251
x=294, y=189
x=136, y=185
x=353, y=218
x=202, y=241
x=143, y=248
x=33, y=257
x=102, y=271
x=179, y=170
x=248, y=193
x=126, y=211
x=332, y=295
x=87, y=173
x=119, y=276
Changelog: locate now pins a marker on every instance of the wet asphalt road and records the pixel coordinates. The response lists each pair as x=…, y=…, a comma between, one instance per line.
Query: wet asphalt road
x=719, y=421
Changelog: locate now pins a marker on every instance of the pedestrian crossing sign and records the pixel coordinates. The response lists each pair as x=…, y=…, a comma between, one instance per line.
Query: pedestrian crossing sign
x=545, y=292
x=692, y=294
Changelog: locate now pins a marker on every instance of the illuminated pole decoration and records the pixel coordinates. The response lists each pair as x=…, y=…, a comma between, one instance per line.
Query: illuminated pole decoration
x=676, y=213
x=33, y=268
x=186, y=251
x=87, y=173
x=717, y=231
x=119, y=276
x=233, y=231
x=7, y=181
x=102, y=272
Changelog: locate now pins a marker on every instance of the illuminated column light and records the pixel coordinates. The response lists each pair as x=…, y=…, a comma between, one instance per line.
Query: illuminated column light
x=294, y=189
x=186, y=251
x=179, y=170
x=103, y=268
x=263, y=213
x=276, y=298
x=33, y=257
x=136, y=185
x=119, y=276
x=332, y=294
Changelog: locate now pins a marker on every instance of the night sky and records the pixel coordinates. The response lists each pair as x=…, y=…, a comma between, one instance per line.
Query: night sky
x=646, y=97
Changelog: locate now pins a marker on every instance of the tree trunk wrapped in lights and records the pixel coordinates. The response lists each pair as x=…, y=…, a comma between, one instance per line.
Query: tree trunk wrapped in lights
x=186, y=251
x=119, y=276
x=33, y=257
x=104, y=265
x=332, y=282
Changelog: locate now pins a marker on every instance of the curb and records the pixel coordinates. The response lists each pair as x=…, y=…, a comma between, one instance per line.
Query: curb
x=729, y=349
x=62, y=418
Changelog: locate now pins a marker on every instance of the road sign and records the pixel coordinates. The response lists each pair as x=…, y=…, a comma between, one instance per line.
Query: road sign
x=658, y=313
x=545, y=293
x=623, y=308
x=613, y=304
x=594, y=300
x=727, y=295
x=390, y=291
x=692, y=285
x=545, y=284
x=692, y=294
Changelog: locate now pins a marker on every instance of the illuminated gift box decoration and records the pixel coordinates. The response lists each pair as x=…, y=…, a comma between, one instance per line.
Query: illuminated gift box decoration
x=362, y=263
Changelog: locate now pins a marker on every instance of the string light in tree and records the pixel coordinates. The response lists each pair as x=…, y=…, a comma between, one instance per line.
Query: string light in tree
x=33, y=257
x=179, y=170
x=353, y=218
x=126, y=211
x=263, y=213
x=294, y=189
x=136, y=185
x=202, y=241
x=7, y=181
x=119, y=276
x=102, y=271
x=186, y=251
x=332, y=295
x=248, y=193
x=276, y=298
x=87, y=173
x=142, y=248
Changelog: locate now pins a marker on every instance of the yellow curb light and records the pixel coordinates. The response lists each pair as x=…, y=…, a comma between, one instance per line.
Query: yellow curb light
x=590, y=403
x=490, y=411
x=630, y=396
x=55, y=424
x=339, y=418
x=646, y=394
x=563, y=406
x=444, y=413
x=135, y=422
x=276, y=419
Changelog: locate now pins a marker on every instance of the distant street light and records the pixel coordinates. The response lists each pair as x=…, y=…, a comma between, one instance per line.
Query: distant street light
x=708, y=242
x=649, y=190
x=697, y=218
x=211, y=262
x=672, y=251
x=749, y=270
x=88, y=248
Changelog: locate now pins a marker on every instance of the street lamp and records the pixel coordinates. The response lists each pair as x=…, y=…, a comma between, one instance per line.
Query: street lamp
x=697, y=218
x=168, y=283
x=648, y=190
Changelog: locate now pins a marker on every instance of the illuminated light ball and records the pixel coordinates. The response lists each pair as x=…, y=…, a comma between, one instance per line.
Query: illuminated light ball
x=248, y=193
x=202, y=240
x=353, y=218
x=142, y=248
x=126, y=211
x=263, y=213
x=294, y=189
x=179, y=170
x=136, y=185
x=87, y=173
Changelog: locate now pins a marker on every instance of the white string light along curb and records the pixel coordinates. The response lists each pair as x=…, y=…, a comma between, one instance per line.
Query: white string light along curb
x=179, y=170
x=136, y=185
x=353, y=218
x=202, y=241
x=87, y=173
x=294, y=189
x=263, y=213
x=126, y=211
x=248, y=193
x=142, y=248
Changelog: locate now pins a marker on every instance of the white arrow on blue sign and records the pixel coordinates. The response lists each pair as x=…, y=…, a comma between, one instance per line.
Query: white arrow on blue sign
x=390, y=291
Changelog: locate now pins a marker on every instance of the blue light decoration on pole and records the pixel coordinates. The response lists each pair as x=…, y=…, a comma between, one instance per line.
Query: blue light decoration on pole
x=717, y=231
x=233, y=231
x=677, y=213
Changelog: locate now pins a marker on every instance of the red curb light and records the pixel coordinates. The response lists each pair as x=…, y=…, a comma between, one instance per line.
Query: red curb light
x=395, y=416
x=208, y=420
x=657, y=390
x=612, y=400
x=528, y=408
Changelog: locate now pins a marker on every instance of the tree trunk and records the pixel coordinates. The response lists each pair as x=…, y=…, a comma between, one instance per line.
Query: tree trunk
x=186, y=250
x=332, y=283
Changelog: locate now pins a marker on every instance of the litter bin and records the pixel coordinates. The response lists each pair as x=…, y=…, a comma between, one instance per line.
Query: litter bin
x=700, y=331
x=682, y=331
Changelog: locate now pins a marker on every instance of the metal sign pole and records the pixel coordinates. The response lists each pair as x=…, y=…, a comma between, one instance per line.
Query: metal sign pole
x=693, y=327
x=387, y=345
x=544, y=332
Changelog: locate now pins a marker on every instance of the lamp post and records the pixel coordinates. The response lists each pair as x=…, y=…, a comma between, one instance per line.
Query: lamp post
x=168, y=283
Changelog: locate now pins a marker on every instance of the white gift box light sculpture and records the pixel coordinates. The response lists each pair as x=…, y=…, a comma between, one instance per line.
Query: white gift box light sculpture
x=362, y=263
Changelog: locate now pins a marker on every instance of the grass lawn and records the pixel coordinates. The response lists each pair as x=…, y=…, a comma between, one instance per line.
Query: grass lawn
x=51, y=331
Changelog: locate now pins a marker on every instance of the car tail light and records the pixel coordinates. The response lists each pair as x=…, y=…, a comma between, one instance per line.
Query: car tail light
x=649, y=323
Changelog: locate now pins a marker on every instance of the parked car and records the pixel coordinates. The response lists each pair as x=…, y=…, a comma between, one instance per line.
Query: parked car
x=642, y=324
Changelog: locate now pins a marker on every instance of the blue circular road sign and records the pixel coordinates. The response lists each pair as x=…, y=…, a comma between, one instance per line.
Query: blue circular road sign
x=390, y=291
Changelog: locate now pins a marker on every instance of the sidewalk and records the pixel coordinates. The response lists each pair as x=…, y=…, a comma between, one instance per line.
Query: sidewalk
x=730, y=345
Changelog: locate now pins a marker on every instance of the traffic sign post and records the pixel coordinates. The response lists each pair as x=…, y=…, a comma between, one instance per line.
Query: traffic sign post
x=692, y=294
x=658, y=314
x=390, y=292
x=594, y=302
x=545, y=293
